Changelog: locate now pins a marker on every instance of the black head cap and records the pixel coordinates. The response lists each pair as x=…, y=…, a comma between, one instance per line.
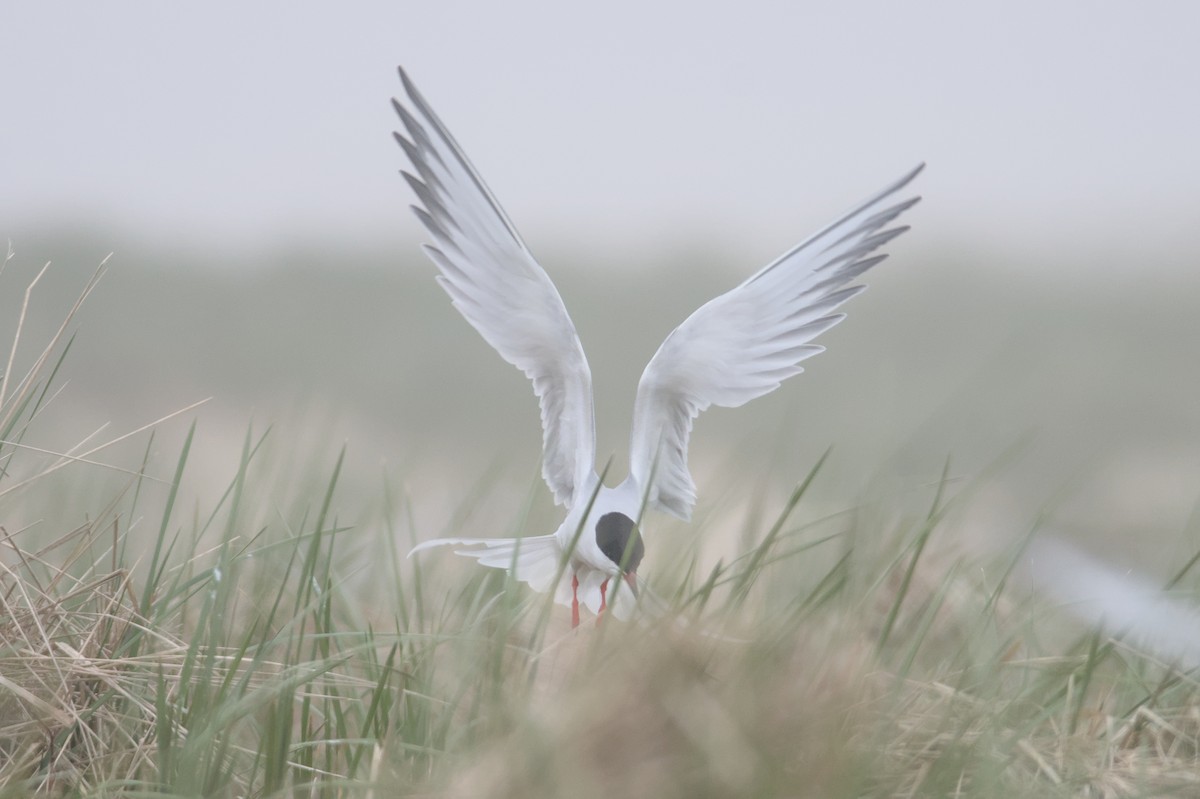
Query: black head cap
x=616, y=533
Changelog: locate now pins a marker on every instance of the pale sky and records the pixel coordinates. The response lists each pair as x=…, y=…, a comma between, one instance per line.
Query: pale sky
x=1046, y=126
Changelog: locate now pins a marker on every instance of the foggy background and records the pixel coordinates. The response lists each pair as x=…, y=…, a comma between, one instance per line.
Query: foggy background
x=1038, y=326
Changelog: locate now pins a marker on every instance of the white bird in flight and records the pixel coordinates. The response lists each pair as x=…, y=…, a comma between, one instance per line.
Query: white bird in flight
x=734, y=348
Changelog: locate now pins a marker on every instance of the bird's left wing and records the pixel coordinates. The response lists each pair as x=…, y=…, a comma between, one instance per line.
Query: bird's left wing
x=744, y=343
x=494, y=282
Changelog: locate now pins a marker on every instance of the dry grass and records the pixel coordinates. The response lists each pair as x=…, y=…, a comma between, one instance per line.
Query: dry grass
x=70, y=699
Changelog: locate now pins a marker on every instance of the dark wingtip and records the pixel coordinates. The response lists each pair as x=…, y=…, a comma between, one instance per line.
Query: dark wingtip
x=410, y=88
x=908, y=178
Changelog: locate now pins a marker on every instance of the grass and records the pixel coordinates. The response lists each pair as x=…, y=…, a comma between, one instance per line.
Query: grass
x=264, y=647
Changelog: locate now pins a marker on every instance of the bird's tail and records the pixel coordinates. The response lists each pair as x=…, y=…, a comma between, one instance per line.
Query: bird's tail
x=536, y=560
x=533, y=559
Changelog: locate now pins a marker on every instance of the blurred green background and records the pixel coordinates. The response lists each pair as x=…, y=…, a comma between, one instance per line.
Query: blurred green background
x=1069, y=391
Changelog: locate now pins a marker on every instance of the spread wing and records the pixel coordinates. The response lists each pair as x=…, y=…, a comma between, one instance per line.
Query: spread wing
x=494, y=282
x=746, y=342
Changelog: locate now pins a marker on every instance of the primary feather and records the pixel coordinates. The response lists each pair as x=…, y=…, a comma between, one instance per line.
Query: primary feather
x=494, y=282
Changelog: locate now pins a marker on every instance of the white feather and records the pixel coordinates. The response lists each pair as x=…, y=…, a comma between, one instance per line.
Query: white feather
x=494, y=281
x=744, y=343
x=534, y=559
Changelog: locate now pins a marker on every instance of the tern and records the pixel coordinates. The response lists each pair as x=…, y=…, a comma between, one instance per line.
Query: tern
x=734, y=348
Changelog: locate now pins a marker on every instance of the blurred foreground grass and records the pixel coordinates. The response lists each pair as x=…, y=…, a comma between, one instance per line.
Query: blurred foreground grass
x=268, y=637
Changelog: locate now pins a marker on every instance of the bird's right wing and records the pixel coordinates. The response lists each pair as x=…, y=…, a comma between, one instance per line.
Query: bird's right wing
x=494, y=282
x=747, y=341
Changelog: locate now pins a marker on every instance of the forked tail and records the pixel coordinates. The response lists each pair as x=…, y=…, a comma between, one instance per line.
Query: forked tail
x=535, y=560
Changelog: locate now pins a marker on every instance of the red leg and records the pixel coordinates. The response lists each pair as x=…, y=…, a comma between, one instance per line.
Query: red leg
x=574, y=600
x=603, y=601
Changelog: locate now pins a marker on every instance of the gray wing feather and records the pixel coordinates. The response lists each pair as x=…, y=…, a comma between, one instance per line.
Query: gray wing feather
x=496, y=284
x=744, y=343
